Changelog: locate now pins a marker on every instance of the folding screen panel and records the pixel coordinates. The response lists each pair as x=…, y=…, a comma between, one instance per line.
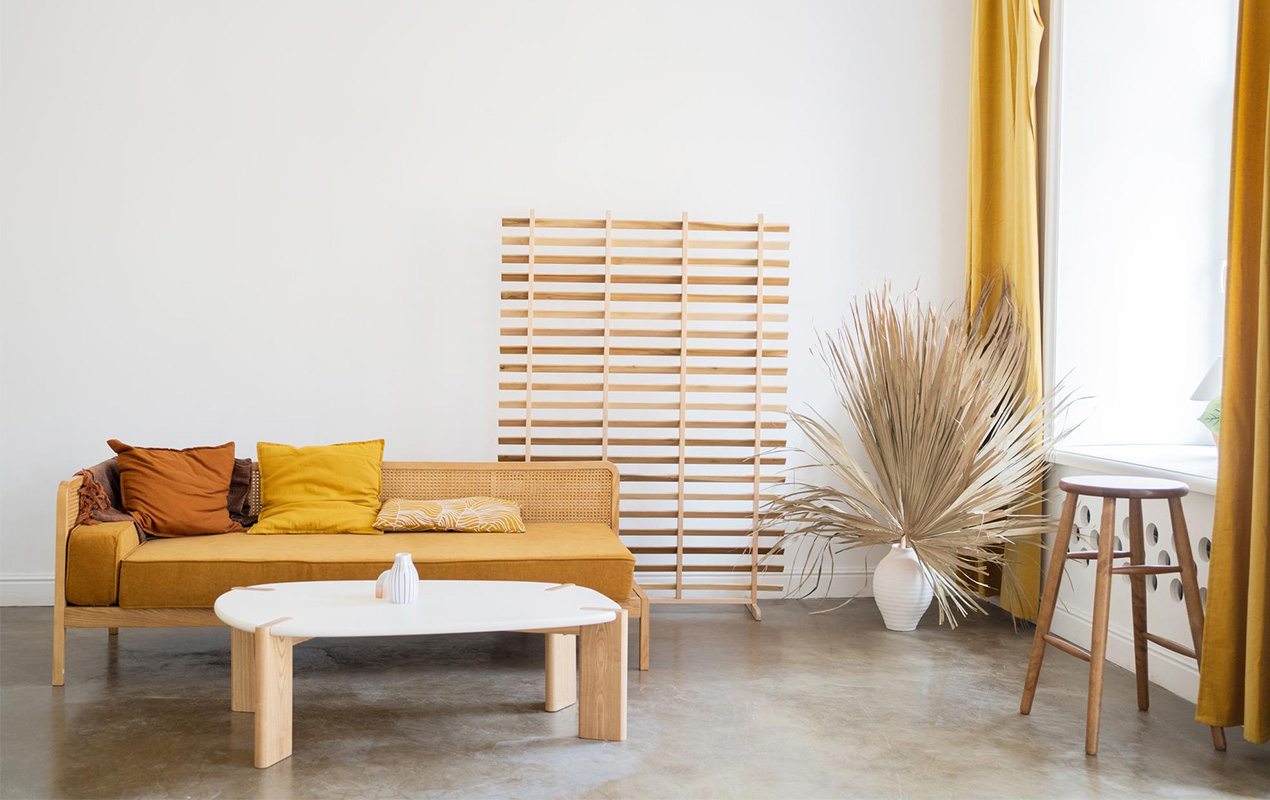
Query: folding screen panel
x=659, y=346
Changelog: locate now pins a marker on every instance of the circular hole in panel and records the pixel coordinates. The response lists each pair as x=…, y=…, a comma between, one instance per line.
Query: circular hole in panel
x=1093, y=539
x=1175, y=590
x=1203, y=596
x=1083, y=517
x=1205, y=548
x=1164, y=558
x=1153, y=582
x=1153, y=534
x=1124, y=526
x=1120, y=545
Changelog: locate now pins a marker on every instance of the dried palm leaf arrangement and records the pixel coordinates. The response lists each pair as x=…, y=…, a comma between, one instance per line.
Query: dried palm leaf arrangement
x=955, y=440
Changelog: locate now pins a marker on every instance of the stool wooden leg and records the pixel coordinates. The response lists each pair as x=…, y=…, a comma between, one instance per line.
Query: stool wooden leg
x=1138, y=592
x=1190, y=592
x=1058, y=559
x=1102, y=613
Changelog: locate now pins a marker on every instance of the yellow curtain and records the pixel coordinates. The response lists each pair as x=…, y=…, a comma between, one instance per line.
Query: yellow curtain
x=1003, y=224
x=1234, y=677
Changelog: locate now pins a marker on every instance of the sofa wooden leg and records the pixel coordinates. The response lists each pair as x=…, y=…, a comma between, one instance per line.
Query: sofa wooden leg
x=242, y=670
x=562, y=671
x=112, y=631
x=59, y=644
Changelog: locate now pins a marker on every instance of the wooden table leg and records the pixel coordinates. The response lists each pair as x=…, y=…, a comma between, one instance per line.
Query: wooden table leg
x=273, y=697
x=242, y=670
x=602, y=695
x=562, y=671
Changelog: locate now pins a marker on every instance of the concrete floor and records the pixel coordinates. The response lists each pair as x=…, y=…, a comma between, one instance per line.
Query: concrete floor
x=796, y=706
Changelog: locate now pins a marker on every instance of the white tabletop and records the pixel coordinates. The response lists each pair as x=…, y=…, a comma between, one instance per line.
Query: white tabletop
x=350, y=608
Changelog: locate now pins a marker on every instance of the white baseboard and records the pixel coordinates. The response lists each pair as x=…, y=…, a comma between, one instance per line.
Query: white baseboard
x=26, y=590
x=1169, y=670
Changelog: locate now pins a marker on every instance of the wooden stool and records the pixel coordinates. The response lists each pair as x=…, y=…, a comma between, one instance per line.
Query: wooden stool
x=1135, y=490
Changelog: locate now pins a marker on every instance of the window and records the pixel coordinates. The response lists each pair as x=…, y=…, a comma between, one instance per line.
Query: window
x=1138, y=193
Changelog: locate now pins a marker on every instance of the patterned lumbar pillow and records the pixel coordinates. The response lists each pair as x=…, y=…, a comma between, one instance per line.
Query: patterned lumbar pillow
x=466, y=515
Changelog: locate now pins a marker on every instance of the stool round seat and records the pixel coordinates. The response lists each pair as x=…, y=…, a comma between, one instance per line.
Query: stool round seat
x=1125, y=486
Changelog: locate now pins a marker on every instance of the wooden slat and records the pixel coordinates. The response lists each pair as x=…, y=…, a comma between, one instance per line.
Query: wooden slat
x=639, y=423
x=646, y=459
x=642, y=225
x=607, y=333
x=634, y=280
x=703, y=551
x=740, y=533
x=645, y=297
x=650, y=388
x=709, y=587
x=548, y=441
x=707, y=567
x=641, y=369
x=681, y=515
x=592, y=404
x=700, y=478
x=693, y=244
x=581, y=313
x=695, y=352
x=643, y=333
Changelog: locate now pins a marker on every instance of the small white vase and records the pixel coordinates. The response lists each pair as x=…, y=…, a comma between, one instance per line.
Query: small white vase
x=901, y=589
x=381, y=583
x=403, y=580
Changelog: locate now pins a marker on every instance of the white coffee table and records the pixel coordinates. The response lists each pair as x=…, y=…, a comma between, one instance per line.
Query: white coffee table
x=269, y=619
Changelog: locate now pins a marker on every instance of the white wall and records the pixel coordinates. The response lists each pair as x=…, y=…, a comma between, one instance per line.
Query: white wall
x=280, y=221
x=1145, y=103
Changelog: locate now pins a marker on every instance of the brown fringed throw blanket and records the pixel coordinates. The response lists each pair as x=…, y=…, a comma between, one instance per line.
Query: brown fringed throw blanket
x=100, y=499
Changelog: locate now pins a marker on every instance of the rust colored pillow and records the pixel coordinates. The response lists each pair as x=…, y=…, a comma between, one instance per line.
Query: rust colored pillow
x=177, y=492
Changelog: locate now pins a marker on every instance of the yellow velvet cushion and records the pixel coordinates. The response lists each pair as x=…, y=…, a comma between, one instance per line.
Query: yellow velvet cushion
x=93, y=555
x=465, y=515
x=191, y=572
x=329, y=489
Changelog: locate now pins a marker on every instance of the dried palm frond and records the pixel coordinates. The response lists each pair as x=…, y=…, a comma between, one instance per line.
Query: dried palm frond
x=955, y=440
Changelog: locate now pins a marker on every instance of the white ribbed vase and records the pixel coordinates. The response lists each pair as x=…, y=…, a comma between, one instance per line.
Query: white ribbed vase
x=901, y=589
x=403, y=580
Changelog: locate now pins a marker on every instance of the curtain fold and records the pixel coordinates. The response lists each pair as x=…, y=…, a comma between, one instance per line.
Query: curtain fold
x=1235, y=672
x=1002, y=232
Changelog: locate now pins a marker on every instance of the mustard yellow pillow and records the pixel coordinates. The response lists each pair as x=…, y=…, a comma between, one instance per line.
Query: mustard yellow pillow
x=466, y=515
x=330, y=489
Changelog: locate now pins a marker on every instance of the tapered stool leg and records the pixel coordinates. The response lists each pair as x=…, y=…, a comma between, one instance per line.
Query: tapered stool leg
x=1190, y=592
x=1138, y=594
x=1053, y=578
x=1102, y=613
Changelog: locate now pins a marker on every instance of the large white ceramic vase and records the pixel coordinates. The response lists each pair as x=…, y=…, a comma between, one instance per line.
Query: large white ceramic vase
x=901, y=588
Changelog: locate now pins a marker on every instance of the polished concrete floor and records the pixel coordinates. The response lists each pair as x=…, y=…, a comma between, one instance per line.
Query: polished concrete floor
x=797, y=706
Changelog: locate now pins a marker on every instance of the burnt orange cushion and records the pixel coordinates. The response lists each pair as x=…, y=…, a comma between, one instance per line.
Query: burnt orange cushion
x=177, y=492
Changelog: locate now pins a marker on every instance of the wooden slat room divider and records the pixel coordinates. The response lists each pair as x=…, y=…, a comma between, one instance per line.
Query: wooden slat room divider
x=659, y=346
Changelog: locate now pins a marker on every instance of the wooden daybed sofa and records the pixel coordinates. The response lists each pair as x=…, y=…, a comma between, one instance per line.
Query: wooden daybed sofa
x=106, y=579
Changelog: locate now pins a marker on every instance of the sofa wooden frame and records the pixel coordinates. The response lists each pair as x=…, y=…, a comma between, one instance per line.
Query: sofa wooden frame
x=113, y=617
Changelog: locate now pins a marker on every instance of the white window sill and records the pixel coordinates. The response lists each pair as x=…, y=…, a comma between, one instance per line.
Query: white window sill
x=1195, y=465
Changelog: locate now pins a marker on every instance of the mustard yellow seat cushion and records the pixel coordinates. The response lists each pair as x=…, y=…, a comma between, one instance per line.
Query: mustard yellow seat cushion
x=192, y=572
x=466, y=515
x=328, y=489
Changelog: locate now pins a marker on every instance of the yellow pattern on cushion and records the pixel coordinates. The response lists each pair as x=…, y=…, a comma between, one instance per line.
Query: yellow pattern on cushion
x=329, y=489
x=465, y=515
